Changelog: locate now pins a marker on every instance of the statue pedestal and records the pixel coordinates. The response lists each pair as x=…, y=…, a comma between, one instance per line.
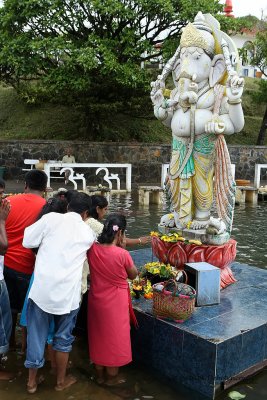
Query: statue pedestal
x=179, y=253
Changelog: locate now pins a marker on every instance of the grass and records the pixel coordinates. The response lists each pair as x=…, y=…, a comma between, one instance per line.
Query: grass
x=19, y=120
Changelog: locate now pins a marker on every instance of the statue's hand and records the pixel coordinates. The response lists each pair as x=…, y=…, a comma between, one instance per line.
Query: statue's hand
x=193, y=86
x=214, y=127
x=189, y=96
x=235, y=86
x=156, y=87
x=157, y=98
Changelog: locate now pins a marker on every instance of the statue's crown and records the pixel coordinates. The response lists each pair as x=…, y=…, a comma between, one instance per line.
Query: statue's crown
x=198, y=34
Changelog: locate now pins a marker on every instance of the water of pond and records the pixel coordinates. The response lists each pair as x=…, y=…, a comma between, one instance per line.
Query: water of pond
x=250, y=230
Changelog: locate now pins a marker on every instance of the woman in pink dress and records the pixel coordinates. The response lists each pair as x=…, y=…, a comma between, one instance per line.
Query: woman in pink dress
x=109, y=301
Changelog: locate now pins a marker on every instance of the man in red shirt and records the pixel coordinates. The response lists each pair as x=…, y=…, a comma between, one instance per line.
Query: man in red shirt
x=19, y=261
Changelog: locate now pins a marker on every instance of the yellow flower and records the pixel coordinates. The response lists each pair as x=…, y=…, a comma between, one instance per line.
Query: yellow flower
x=153, y=233
x=189, y=224
x=193, y=241
x=167, y=93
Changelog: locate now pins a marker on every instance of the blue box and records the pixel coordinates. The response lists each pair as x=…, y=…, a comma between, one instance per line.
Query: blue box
x=205, y=278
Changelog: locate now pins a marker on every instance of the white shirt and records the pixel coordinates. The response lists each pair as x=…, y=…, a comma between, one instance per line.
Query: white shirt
x=63, y=240
x=68, y=159
x=1, y=267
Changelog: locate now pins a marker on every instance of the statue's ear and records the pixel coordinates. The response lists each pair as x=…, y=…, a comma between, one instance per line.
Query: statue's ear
x=217, y=69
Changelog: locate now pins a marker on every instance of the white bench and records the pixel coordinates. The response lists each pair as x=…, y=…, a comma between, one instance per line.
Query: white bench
x=31, y=164
x=257, y=178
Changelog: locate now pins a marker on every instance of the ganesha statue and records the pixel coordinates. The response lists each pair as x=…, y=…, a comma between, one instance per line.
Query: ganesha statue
x=203, y=106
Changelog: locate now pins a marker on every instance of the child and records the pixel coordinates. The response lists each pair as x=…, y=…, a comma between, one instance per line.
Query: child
x=109, y=301
x=98, y=211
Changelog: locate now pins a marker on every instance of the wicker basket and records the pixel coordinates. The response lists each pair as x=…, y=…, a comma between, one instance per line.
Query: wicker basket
x=170, y=305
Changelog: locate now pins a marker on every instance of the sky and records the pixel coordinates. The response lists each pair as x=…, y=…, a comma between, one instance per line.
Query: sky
x=242, y=7
x=245, y=7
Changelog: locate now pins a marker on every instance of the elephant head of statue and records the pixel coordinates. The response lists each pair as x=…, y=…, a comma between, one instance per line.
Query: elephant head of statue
x=205, y=55
x=197, y=59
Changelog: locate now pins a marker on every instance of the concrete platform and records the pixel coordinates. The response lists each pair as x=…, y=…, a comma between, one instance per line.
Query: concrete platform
x=246, y=194
x=150, y=195
x=218, y=346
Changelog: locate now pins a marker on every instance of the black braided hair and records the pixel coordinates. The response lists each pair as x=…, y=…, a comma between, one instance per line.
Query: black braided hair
x=112, y=225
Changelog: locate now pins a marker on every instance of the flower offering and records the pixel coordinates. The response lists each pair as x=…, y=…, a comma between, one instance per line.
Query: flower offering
x=173, y=238
x=157, y=272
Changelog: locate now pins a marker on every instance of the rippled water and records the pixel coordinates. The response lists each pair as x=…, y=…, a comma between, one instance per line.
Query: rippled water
x=250, y=230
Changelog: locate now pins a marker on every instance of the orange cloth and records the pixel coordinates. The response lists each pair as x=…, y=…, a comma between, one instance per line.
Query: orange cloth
x=108, y=306
x=24, y=211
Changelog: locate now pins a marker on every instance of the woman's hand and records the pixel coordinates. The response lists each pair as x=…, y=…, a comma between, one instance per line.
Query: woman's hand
x=4, y=209
x=144, y=239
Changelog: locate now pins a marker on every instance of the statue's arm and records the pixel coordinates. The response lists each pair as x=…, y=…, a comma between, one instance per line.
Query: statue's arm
x=164, y=115
x=163, y=109
x=232, y=116
x=236, y=115
x=234, y=91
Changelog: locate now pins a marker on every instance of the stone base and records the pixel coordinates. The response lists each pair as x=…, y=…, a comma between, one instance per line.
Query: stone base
x=179, y=253
x=217, y=346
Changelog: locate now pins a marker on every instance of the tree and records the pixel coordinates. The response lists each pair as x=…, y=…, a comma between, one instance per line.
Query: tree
x=260, y=52
x=87, y=53
x=261, y=97
x=260, y=60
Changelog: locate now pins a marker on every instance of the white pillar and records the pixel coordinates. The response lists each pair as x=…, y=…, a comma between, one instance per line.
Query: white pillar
x=129, y=177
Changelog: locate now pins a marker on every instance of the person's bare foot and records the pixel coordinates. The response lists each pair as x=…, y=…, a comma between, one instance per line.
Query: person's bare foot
x=53, y=369
x=115, y=381
x=6, y=376
x=100, y=381
x=31, y=389
x=69, y=380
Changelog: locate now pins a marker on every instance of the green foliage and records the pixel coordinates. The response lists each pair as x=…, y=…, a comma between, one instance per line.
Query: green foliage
x=231, y=25
x=261, y=95
x=251, y=22
x=260, y=51
x=19, y=120
x=87, y=53
x=253, y=112
x=259, y=58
